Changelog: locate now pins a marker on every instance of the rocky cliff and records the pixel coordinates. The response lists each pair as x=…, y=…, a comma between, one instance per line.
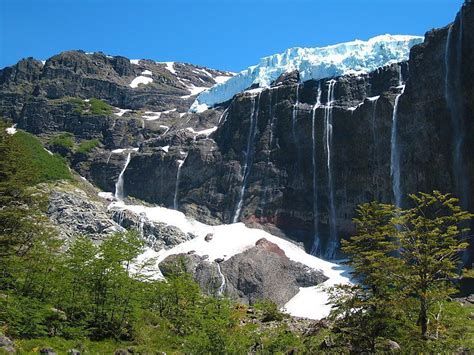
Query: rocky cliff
x=294, y=157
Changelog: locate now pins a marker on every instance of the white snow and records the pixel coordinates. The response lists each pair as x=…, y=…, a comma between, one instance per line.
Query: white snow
x=43, y=62
x=121, y=112
x=122, y=150
x=165, y=148
x=194, y=90
x=140, y=80
x=146, y=72
x=231, y=239
x=135, y=61
x=356, y=58
x=109, y=196
x=11, y=130
x=170, y=67
x=204, y=132
x=154, y=115
x=220, y=79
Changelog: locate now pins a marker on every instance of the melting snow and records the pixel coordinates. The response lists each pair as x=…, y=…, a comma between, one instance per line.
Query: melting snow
x=165, y=148
x=231, y=239
x=170, y=67
x=121, y=112
x=121, y=150
x=140, y=80
x=356, y=57
x=205, y=132
x=11, y=130
x=147, y=72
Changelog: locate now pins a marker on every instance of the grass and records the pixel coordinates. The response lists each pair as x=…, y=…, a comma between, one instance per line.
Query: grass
x=64, y=140
x=92, y=107
x=44, y=166
x=61, y=345
x=86, y=146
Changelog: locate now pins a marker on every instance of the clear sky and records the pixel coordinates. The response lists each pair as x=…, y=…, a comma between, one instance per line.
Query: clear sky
x=223, y=34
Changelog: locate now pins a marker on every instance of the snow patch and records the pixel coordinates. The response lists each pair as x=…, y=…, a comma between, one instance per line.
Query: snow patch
x=204, y=132
x=231, y=239
x=121, y=111
x=146, y=72
x=140, y=80
x=11, y=130
x=135, y=61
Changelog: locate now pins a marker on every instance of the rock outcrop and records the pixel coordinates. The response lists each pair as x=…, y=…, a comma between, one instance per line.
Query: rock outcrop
x=259, y=273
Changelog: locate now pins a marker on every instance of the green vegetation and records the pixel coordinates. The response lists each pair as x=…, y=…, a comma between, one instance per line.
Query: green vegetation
x=85, y=147
x=63, y=140
x=66, y=141
x=92, y=107
x=35, y=161
x=406, y=260
x=99, y=107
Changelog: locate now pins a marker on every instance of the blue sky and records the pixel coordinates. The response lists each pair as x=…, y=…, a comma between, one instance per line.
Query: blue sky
x=223, y=34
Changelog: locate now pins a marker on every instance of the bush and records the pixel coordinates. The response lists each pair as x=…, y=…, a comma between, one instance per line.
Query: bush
x=86, y=146
x=270, y=311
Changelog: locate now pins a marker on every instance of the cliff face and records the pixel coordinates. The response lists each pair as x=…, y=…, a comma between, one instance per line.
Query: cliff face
x=295, y=158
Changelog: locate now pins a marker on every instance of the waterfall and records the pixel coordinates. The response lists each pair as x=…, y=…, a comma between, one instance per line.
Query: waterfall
x=316, y=242
x=223, y=117
x=108, y=159
x=248, y=155
x=295, y=111
x=176, y=188
x=328, y=130
x=395, y=149
x=221, y=289
x=452, y=92
x=119, y=194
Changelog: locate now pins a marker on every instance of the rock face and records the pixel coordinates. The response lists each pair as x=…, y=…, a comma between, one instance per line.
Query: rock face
x=261, y=272
x=157, y=235
x=77, y=213
x=6, y=345
x=295, y=157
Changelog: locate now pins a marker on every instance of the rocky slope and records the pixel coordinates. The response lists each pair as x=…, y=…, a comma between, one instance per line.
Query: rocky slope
x=295, y=157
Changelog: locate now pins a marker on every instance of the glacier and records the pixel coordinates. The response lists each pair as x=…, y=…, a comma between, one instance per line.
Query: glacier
x=356, y=58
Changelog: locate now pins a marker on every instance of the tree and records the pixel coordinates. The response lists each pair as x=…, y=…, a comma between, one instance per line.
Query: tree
x=430, y=239
x=399, y=258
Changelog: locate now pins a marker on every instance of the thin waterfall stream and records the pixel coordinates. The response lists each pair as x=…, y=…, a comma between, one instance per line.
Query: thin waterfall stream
x=248, y=154
x=315, y=250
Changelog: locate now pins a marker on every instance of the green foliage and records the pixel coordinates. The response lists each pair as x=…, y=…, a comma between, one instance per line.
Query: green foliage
x=405, y=260
x=270, y=311
x=99, y=107
x=63, y=140
x=30, y=156
x=86, y=146
x=92, y=107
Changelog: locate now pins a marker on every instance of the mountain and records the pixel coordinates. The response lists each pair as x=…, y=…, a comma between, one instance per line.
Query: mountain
x=290, y=146
x=356, y=58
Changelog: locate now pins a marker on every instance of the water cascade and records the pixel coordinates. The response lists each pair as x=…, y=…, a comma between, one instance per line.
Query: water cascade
x=315, y=250
x=452, y=93
x=119, y=193
x=221, y=289
x=395, y=149
x=176, y=188
x=248, y=155
x=328, y=130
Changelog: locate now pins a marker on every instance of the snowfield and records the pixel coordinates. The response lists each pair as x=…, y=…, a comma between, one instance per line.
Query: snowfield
x=231, y=239
x=356, y=57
